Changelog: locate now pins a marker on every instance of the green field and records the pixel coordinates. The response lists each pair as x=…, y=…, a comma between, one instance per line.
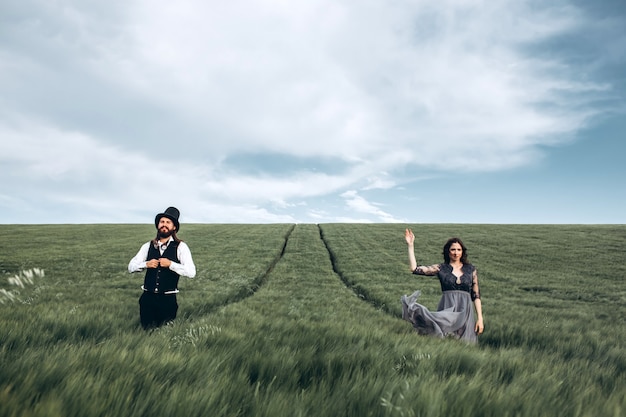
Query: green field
x=304, y=320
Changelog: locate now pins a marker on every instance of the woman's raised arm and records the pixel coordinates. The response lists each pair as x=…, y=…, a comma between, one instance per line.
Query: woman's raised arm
x=410, y=240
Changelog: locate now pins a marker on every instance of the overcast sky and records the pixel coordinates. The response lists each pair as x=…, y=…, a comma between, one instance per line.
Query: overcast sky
x=267, y=111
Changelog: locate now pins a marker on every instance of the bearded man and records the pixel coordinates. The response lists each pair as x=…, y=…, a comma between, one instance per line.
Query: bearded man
x=165, y=259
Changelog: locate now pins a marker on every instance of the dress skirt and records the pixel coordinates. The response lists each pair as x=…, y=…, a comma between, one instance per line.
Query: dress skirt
x=454, y=316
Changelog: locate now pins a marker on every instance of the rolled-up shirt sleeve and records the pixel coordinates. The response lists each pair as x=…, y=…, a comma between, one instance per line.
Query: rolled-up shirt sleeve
x=138, y=263
x=185, y=267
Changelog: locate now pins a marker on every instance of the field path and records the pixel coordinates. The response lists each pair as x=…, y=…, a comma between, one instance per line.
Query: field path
x=233, y=263
x=359, y=290
x=371, y=261
x=303, y=284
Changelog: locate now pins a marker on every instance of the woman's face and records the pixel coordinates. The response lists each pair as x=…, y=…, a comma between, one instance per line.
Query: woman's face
x=456, y=251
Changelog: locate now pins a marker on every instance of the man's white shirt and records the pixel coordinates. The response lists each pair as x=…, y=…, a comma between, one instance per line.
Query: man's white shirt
x=185, y=266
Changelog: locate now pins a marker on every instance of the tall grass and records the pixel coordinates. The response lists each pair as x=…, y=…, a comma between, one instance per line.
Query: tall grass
x=305, y=320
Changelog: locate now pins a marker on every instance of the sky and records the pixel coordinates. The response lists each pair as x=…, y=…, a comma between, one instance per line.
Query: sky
x=273, y=111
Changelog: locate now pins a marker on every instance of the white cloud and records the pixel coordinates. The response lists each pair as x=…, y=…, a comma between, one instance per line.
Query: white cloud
x=131, y=104
x=361, y=206
x=337, y=78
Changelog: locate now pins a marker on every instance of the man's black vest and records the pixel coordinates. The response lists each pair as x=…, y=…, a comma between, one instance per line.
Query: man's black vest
x=162, y=279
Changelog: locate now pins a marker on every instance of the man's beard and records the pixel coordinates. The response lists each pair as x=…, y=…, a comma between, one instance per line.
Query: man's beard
x=164, y=233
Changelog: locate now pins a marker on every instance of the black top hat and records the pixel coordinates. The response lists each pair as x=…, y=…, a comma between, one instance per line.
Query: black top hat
x=171, y=213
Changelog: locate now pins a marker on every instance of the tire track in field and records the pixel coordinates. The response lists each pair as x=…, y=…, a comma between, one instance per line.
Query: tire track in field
x=256, y=284
x=262, y=279
x=360, y=291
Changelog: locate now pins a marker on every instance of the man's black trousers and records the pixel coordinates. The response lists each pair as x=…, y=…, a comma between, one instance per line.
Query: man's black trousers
x=157, y=309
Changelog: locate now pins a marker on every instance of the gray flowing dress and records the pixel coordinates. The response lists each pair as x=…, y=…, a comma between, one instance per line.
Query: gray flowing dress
x=455, y=312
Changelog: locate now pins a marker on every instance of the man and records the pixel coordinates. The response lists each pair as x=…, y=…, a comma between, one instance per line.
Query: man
x=165, y=259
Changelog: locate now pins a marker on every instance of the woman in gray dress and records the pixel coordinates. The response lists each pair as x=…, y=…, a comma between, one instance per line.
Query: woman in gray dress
x=455, y=316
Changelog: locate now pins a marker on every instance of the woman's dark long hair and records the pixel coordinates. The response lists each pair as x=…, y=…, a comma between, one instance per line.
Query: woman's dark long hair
x=446, y=250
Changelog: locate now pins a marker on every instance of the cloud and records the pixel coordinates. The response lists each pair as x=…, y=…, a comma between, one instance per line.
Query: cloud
x=120, y=107
x=361, y=206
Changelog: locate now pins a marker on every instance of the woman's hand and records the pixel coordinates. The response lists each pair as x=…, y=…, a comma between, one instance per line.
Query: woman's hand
x=479, y=326
x=409, y=237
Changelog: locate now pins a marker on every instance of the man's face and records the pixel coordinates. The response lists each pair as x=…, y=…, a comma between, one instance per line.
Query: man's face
x=166, y=227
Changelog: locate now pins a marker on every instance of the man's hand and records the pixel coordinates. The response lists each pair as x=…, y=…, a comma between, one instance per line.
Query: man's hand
x=164, y=262
x=152, y=263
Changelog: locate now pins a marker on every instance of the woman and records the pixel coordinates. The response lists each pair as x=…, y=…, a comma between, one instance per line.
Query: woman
x=459, y=282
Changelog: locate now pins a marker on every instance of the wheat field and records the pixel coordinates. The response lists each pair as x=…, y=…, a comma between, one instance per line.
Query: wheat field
x=305, y=320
